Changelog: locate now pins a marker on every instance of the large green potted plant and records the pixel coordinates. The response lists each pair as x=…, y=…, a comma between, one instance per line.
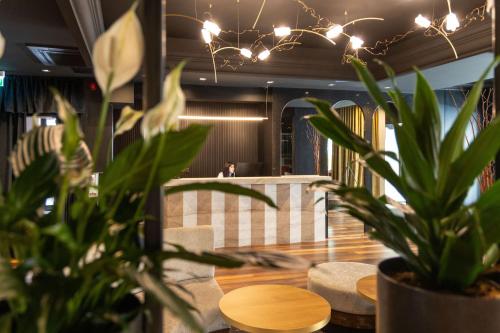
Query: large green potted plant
x=447, y=276
x=82, y=267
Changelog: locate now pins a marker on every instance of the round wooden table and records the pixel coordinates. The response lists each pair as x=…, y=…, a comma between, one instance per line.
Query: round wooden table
x=275, y=308
x=367, y=287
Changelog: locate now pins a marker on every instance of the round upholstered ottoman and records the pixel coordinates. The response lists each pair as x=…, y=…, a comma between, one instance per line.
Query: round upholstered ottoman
x=336, y=282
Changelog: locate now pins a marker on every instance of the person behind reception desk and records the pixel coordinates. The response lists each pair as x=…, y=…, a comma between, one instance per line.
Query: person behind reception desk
x=228, y=171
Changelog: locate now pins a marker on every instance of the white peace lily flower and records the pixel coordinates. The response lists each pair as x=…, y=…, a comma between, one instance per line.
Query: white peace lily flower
x=2, y=45
x=128, y=118
x=164, y=116
x=118, y=52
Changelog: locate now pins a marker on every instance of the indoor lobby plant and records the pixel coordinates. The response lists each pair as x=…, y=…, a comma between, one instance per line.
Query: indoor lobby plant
x=82, y=267
x=447, y=276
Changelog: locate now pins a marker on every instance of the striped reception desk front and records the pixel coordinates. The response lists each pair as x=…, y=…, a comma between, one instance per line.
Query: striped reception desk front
x=242, y=221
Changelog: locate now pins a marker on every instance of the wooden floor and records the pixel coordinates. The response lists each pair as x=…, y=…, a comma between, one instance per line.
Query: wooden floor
x=346, y=242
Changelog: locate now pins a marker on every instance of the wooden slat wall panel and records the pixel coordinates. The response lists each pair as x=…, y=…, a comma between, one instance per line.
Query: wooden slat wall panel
x=228, y=141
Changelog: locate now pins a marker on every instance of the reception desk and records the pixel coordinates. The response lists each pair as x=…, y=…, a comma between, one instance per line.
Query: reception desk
x=243, y=221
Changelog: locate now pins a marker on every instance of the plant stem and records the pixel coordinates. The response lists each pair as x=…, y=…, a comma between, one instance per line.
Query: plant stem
x=154, y=169
x=102, y=120
x=61, y=200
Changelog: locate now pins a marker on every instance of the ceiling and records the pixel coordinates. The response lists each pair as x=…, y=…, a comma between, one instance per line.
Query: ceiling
x=398, y=15
x=37, y=22
x=315, y=63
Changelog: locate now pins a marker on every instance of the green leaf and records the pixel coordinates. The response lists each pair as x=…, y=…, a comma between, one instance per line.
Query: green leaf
x=472, y=161
x=169, y=299
x=488, y=208
x=132, y=166
x=221, y=187
x=373, y=89
x=339, y=133
x=208, y=258
x=6, y=323
x=492, y=256
x=10, y=286
x=461, y=261
x=453, y=142
x=31, y=188
x=428, y=120
x=62, y=233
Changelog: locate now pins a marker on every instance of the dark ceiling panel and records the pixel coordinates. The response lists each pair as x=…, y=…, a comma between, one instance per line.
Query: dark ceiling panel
x=34, y=22
x=399, y=15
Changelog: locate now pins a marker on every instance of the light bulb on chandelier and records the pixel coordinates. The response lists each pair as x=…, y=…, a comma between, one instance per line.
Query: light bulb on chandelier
x=207, y=36
x=356, y=42
x=212, y=27
x=452, y=22
x=282, y=31
x=334, y=31
x=246, y=53
x=422, y=21
x=264, y=55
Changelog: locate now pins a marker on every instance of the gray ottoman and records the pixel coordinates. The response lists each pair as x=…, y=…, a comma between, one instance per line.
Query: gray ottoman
x=336, y=282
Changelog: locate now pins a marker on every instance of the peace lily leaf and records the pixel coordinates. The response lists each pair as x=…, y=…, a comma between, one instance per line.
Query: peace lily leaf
x=169, y=299
x=164, y=115
x=118, y=52
x=128, y=118
x=179, y=150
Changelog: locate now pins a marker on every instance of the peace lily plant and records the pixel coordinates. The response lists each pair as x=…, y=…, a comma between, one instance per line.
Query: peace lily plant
x=446, y=243
x=82, y=267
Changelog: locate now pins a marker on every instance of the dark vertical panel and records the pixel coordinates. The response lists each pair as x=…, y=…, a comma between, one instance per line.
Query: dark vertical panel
x=236, y=141
x=89, y=122
x=155, y=35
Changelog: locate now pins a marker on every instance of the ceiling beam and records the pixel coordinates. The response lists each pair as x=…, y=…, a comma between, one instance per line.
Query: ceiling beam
x=425, y=52
x=85, y=21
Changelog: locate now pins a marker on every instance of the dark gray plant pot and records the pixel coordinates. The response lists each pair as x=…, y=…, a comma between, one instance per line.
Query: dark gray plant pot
x=406, y=309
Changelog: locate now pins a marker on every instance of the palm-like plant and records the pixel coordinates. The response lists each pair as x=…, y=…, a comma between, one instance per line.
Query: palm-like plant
x=454, y=242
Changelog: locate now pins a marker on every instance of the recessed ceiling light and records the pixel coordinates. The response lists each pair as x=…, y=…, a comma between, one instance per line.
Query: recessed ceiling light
x=387, y=87
x=203, y=78
x=307, y=92
x=331, y=84
x=45, y=70
x=270, y=82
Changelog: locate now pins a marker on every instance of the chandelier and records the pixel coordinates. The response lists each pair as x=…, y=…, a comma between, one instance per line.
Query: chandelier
x=284, y=38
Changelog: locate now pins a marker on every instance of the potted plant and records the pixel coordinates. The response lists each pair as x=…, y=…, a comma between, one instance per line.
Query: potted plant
x=82, y=267
x=447, y=278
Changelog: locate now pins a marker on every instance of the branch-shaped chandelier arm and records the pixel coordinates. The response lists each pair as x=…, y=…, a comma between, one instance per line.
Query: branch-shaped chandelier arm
x=447, y=39
x=363, y=19
x=314, y=33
